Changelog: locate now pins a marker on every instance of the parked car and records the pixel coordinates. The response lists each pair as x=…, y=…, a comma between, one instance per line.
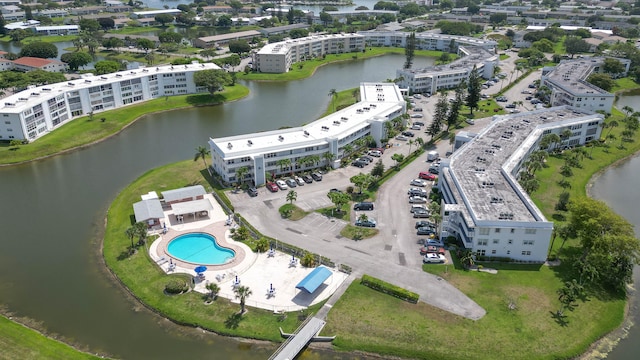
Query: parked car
x=402, y=138
x=335, y=190
x=470, y=121
x=316, y=176
x=359, y=163
x=416, y=191
x=369, y=222
x=282, y=185
x=528, y=98
x=434, y=242
x=307, y=178
x=418, y=182
x=417, y=109
x=425, y=231
x=417, y=207
x=417, y=96
x=532, y=86
x=366, y=158
x=511, y=106
x=535, y=101
x=363, y=206
x=417, y=200
x=526, y=92
x=434, y=169
x=299, y=180
x=408, y=133
x=432, y=258
x=421, y=214
x=272, y=187
x=291, y=183
x=376, y=153
x=426, y=176
x=417, y=116
x=253, y=192
x=423, y=223
x=431, y=249
x=416, y=127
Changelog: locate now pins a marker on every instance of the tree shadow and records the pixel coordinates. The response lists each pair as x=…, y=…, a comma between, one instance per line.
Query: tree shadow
x=558, y=217
x=125, y=254
x=233, y=321
x=559, y=318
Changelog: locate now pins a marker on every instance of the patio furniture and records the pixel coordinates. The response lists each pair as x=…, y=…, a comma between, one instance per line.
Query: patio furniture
x=271, y=253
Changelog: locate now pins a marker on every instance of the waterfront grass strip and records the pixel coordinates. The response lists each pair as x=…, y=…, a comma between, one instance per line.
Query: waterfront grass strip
x=86, y=130
x=20, y=342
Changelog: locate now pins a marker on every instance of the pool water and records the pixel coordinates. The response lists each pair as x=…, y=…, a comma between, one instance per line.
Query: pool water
x=199, y=248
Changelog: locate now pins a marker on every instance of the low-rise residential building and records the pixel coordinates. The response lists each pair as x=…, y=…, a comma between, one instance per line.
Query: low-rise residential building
x=33, y=113
x=483, y=204
x=33, y=63
x=425, y=40
x=320, y=143
x=568, y=85
x=57, y=30
x=209, y=41
x=449, y=76
x=278, y=57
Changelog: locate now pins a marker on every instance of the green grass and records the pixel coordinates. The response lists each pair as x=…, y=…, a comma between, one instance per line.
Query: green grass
x=486, y=108
x=143, y=278
x=20, y=342
x=504, y=57
x=625, y=84
x=559, y=48
x=49, y=39
x=307, y=68
x=342, y=100
x=331, y=212
x=83, y=131
x=366, y=319
x=358, y=232
x=295, y=212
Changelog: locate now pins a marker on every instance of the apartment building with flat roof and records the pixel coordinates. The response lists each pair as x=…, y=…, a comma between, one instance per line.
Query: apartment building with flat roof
x=568, y=83
x=34, y=112
x=449, y=76
x=425, y=40
x=261, y=153
x=483, y=204
x=278, y=57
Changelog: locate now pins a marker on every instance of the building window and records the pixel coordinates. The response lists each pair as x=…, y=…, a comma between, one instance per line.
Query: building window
x=530, y=231
x=526, y=253
x=493, y=252
x=497, y=230
x=527, y=242
x=484, y=231
x=513, y=230
x=483, y=242
x=508, y=252
x=480, y=252
x=510, y=241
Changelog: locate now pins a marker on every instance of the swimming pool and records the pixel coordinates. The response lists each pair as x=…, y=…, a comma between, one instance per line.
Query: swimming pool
x=199, y=248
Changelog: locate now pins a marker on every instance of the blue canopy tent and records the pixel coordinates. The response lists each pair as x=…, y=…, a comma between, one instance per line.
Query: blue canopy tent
x=315, y=278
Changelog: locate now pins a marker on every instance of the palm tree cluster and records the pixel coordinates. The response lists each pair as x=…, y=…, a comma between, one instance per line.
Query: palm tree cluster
x=527, y=173
x=139, y=231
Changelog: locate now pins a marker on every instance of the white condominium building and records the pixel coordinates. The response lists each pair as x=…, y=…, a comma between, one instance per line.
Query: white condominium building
x=484, y=205
x=278, y=57
x=425, y=40
x=35, y=112
x=263, y=153
x=448, y=76
x=568, y=85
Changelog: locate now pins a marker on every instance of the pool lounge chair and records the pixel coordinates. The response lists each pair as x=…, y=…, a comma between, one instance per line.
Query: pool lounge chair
x=163, y=260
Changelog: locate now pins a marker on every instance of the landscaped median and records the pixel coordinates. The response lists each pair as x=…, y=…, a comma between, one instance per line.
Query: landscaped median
x=90, y=129
x=147, y=282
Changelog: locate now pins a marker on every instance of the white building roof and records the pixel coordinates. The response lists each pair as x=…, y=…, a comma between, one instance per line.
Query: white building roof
x=148, y=209
x=183, y=193
x=57, y=27
x=282, y=46
x=22, y=24
x=16, y=103
x=156, y=12
x=191, y=207
x=377, y=100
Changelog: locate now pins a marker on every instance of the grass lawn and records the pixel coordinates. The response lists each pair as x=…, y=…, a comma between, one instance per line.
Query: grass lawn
x=295, y=212
x=139, y=274
x=307, y=68
x=625, y=84
x=342, y=100
x=20, y=342
x=343, y=214
x=49, y=39
x=486, y=108
x=358, y=232
x=504, y=57
x=84, y=131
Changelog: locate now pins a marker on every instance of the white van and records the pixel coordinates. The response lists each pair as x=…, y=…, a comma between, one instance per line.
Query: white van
x=433, y=155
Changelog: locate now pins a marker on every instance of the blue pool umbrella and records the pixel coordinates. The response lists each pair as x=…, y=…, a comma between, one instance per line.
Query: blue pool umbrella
x=200, y=269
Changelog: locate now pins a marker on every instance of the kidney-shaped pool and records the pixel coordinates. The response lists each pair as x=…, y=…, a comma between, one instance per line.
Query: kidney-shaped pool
x=199, y=248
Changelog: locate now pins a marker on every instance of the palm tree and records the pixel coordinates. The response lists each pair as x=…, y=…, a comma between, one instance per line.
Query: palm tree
x=329, y=157
x=410, y=142
x=420, y=142
x=628, y=110
x=610, y=125
x=292, y=196
x=202, y=152
x=240, y=174
x=131, y=233
x=452, y=141
x=283, y=163
x=214, y=289
x=347, y=150
x=242, y=292
x=333, y=94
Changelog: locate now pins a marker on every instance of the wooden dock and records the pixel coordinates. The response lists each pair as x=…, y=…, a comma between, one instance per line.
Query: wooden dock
x=295, y=342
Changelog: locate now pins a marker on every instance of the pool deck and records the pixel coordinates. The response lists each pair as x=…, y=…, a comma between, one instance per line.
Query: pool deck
x=259, y=272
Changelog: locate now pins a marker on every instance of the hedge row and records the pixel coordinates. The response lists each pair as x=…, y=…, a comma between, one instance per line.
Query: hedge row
x=385, y=287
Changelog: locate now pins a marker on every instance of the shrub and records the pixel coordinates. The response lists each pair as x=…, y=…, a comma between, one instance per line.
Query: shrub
x=175, y=287
x=385, y=287
x=262, y=245
x=308, y=260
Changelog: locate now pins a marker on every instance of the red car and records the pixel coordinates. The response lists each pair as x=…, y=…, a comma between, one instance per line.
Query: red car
x=426, y=176
x=272, y=187
x=431, y=249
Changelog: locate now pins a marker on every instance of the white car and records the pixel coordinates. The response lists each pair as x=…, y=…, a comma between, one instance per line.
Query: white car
x=417, y=200
x=418, y=182
x=282, y=185
x=416, y=127
x=402, y=138
x=299, y=181
x=417, y=116
x=432, y=258
x=418, y=207
x=375, y=153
